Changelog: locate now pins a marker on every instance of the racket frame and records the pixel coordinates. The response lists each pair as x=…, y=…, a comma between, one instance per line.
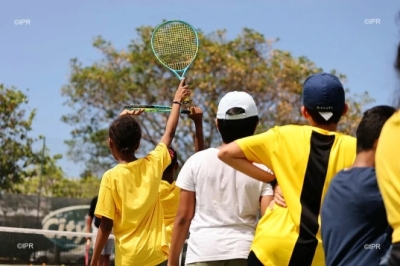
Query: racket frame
x=153, y=108
x=176, y=71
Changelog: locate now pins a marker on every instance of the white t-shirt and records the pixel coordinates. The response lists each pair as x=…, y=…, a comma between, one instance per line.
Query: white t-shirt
x=227, y=205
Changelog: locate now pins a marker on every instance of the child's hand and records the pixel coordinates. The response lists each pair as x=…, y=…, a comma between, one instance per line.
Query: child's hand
x=278, y=198
x=182, y=92
x=196, y=114
x=132, y=112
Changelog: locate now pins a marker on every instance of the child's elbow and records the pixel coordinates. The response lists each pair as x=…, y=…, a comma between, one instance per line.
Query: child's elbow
x=183, y=219
x=223, y=154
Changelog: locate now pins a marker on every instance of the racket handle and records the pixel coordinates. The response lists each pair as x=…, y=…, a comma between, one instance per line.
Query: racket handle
x=186, y=112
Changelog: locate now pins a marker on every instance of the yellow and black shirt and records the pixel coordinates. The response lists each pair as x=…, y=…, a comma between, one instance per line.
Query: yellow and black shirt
x=304, y=160
x=388, y=174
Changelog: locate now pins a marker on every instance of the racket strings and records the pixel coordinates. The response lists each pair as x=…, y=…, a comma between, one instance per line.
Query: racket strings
x=175, y=44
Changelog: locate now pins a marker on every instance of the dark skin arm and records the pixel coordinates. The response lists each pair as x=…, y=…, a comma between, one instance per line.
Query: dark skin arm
x=197, y=116
x=182, y=222
x=181, y=93
x=89, y=221
x=104, y=232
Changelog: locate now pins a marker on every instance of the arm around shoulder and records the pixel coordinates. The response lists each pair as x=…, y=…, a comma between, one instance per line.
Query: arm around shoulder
x=232, y=155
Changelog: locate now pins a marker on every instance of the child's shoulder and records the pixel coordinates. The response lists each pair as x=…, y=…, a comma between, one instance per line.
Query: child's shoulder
x=111, y=173
x=159, y=150
x=205, y=153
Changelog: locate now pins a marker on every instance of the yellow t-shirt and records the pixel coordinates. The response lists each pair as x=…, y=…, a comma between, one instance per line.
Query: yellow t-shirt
x=304, y=160
x=388, y=174
x=129, y=196
x=169, y=197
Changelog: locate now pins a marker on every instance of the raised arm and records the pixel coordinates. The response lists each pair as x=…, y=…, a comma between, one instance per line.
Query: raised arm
x=197, y=116
x=181, y=93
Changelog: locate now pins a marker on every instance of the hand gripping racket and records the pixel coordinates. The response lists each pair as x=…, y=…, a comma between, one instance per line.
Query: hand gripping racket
x=175, y=44
x=153, y=108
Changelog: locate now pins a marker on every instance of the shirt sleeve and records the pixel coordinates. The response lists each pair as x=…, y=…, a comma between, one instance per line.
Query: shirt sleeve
x=185, y=178
x=388, y=174
x=259, y=148
x=267, y=190
x=105, y=204
x=160, y=157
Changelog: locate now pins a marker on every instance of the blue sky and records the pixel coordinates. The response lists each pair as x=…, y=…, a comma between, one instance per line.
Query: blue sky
x=332, y=33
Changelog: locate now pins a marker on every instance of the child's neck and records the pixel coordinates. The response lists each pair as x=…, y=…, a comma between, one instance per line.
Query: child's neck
x=365, y=159
x=127, y=159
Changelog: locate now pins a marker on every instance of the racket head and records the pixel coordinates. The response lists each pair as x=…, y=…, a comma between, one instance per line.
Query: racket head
x=153, y=108
x=175, y=44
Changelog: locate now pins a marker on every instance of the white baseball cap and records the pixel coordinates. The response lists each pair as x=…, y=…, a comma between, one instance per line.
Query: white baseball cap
x=239, y=99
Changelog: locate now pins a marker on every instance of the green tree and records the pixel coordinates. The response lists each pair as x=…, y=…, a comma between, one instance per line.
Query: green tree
x=16, y=146
x=53, y=183
x=97, y=93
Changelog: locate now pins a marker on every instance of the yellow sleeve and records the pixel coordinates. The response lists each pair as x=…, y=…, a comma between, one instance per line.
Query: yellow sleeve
x=388, y=172
x=160, y=157
x=259, y=148
x=105, y=204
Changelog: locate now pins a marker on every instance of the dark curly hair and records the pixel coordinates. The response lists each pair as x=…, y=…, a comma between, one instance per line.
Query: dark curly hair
x=370, y=127
x=125, y=133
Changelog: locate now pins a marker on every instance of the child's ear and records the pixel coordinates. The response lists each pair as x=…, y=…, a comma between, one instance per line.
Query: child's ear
x=304, y=112
x=110, y=143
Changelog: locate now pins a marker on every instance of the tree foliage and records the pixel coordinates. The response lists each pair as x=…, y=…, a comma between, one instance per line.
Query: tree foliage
x=52, y=182
x=16, y=146
x=97, y=93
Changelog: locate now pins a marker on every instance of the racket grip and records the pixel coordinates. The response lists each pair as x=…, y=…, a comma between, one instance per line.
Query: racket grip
x=186, y=112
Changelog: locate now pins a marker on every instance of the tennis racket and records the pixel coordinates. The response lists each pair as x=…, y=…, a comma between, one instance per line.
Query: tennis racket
x=87, y=252
x=175, y=44
x=153, y=108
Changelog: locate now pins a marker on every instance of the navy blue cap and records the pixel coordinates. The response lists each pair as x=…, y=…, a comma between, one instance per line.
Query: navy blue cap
x=324, y=93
